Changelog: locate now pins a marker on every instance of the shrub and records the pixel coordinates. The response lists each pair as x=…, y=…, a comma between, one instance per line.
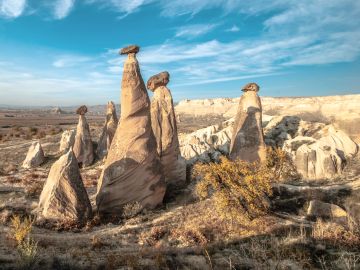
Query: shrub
x=131, y=209
x=239, y=189
x=281, y=164
x=26, y=246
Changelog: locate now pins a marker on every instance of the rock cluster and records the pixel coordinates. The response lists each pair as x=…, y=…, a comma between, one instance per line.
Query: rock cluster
x=83, y=146
x=64, y=196
x=132, y=170
x=247, y=142
x=108, y=131
x=164, y=126
x=35, y=156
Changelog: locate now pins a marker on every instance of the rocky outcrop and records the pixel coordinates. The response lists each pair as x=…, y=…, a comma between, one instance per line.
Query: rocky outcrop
x=67, y=140
x=83, y=146
x=64, y=196
x=34, y=157
x=108, y=131
x=343, y=110
x=247, y=141
x=132, y=170
x=165, y=129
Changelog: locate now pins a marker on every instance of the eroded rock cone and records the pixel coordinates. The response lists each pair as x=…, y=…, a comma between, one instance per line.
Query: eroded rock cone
x=132, y=170
x=163, y=123
x=67, y=140
x=247, y=142
x=34, y=157
x=83, y=146
x=64, y=196
x=108, y=131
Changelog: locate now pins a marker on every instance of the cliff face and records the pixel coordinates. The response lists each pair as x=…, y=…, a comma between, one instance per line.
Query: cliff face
x=343, y=111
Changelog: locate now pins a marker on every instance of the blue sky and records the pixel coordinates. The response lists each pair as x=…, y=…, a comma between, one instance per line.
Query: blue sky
x=65, y=52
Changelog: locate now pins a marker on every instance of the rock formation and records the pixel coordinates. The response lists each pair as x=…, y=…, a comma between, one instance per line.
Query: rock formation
x=132, y=171
x=67, y=140
x=35, y=156
x=247, y=142
x=164, y=126
x=83, y=146
x=108, y=131
x=64, y=196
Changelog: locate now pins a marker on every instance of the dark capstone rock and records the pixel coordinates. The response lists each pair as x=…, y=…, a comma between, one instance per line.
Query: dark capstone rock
x=130, y=49
x=82, y=110
x=161, y=79
x=251, y=87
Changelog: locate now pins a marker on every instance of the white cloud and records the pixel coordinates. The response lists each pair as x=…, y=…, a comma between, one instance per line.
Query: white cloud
x=70, y=61
x=233, y=29
x=195, y=30
x=12, y=8
x=62, y=8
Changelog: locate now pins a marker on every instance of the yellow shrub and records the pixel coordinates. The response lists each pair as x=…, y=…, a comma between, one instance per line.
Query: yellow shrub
x=281, y=164
x=21, y=229
x=239, y=189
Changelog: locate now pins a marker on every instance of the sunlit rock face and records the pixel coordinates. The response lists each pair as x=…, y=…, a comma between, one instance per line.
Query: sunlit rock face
x=164, y=126
x=247, y=142
x=83, y=146
x=67, y=140
x=108, y=131
x=64, y=196
x=34, y=157
x=132, y=170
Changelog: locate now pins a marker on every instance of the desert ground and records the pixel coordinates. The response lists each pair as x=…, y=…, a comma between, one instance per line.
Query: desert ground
x=186, y=232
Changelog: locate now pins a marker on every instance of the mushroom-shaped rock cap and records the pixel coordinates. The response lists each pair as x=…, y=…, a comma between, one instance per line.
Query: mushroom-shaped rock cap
x=82, y=110
x=161, y=79
x=130, y=49
x=251, y=87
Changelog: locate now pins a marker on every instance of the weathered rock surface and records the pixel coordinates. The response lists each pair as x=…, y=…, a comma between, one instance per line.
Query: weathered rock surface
x=34, y=157
x=164, y=126
x=247, y=141
x=319, y=209
x=83, y=146
x=132, y=170
x=108, y=131
x=67, y=140
x=64, y=196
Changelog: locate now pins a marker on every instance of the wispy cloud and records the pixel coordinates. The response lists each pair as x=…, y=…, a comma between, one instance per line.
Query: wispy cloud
x=65, y=61
x=195, y=30
x=62, y=8
x=233, y=29
x=12, y=8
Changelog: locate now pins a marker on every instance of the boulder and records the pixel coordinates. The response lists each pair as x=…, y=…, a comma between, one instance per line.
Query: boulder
x=247, y=142
x=64, y=196
x=164, y=126
x=132, y=170
x=34, y=157
x=83, y=146
x=319, y=209
x=108, y=131
x=67, y=140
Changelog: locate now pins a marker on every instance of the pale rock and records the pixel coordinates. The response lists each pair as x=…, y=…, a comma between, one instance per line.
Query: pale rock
x=321, y=209
x=247, y=142
x=132, y=170
x=67, y=140
x=164, y=126
x=83, y=146
x=317, y=161
x=64, y=196
x=108, y=131
x=34, y=157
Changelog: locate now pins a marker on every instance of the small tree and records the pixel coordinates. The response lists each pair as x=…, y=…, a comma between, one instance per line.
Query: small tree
x=239, y=189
